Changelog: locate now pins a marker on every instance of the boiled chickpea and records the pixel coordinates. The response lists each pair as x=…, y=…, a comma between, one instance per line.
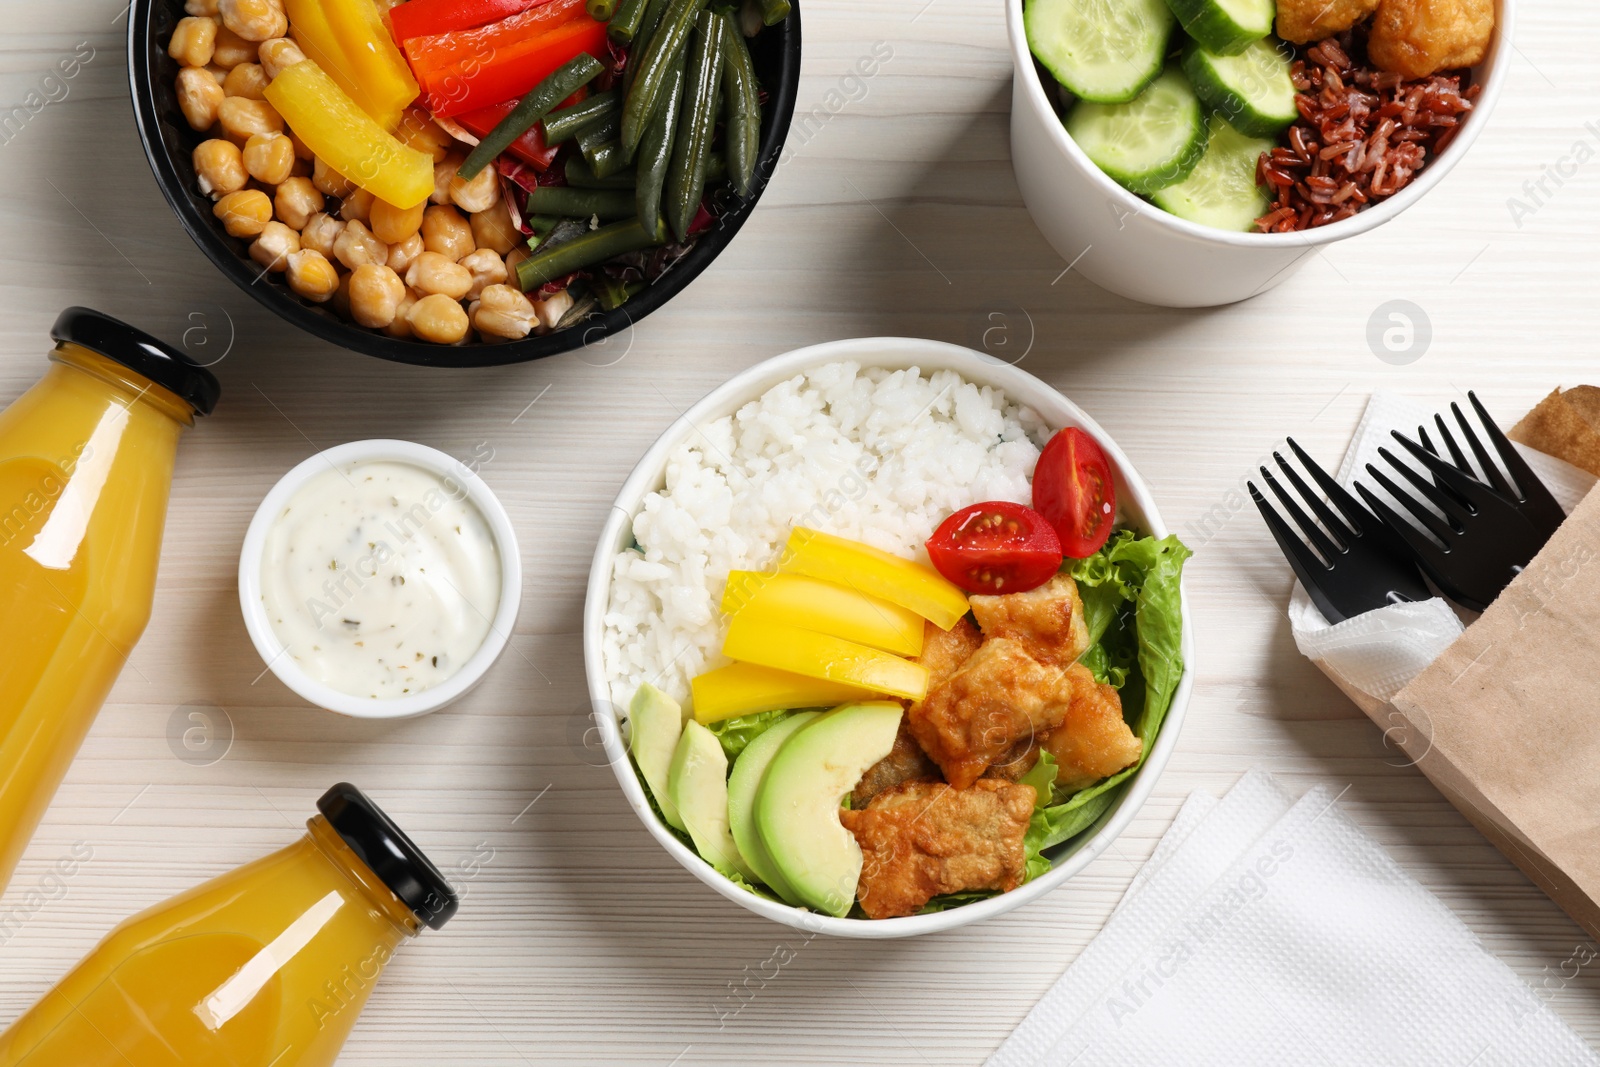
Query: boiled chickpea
x=494, y=229
x=357, y=207
x=375, y=294
x=400, y=327
x=515, y=256
x=296, y=201
x=207, y=8
x=243, y=118
x=248, y=80
x=312, y=276
x=395, y=224
x=199, y=97
x=329, y=180
x=433, y=273
x=503, y=312
x=439, y=319
x=231, y=49
x=356, y=247
x=487, y=269
x=321, y=232
x=269, y=157
x=219, y=168
x=278, y=55
x=417, y=130
x=244, y=213
x=444, y=231
x=444, y=172
x=254, y=20
x=552, y=308
x=479, y=194
x=404, y=253
x=193, y=41
x=271, y=249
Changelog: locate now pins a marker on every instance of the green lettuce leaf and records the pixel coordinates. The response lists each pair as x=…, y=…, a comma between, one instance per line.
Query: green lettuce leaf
x=735, y=734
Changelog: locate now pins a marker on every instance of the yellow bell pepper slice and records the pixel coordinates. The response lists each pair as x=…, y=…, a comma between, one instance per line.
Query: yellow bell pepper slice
x=744, y=689
x=825, y=607
x=375, y=60
x=789, y=648
x=347, y=139
x=311, y=30
x=875, y=573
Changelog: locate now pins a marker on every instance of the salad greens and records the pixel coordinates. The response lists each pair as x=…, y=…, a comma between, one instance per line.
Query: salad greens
x=736, y=734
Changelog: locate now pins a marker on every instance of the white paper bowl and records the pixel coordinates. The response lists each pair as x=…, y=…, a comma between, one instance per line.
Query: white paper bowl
x=649, y=475
x=1133, y=248
x=455, y=474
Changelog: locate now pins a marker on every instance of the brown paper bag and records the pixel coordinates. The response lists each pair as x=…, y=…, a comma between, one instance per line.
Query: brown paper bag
x=1506, y=723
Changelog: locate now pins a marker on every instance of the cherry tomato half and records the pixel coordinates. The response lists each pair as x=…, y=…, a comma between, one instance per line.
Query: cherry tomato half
x=998, y=547
x=1072, y=489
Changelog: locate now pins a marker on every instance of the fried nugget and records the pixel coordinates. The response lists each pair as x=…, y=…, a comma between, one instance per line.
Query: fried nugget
x=1305, y=21
x=1048, y=621
x=905, y=762
x=1001, y=696
x=945, y=651
x=1415, y=38
x=1093, y=741
x=921, y=839
x=1016, y=761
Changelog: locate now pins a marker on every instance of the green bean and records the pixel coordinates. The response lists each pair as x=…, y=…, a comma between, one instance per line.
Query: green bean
x=601, y=10
x=645, y=92
x=625, y=23
x=541, y=224
x=580, y=203
x=596, y=246
x=607, y=159
x=743, y=109
x=597, y=134
x=534, y=105
x=582, y=175
x=774, y=11
x=655, y=151
x=716, y=167
x=647, y=29
x=563, y=125
x=686, y=177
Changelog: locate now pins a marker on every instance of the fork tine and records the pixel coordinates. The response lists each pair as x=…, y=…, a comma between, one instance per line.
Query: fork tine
x=1457, y=482
x=1358, y=519
x=1532, y=489
x=1427, y=553
x=1427, y=442
x=1307, y=567
x=1339, y=529
x=1312, y=532
x=1456, y=455
x=1435, y=525
x=1453, y=511
x=1491, y=469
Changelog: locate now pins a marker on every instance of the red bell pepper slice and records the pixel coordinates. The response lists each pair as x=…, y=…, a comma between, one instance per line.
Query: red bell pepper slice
x=483, y=43
x=496, y=67
x=422, y=18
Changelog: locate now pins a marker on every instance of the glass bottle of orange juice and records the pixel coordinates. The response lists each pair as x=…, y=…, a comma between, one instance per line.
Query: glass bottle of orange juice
x=85, y=467
x=265, y=967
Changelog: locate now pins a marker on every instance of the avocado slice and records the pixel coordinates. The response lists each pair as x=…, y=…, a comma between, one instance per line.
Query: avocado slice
x=797, y=805
x=698, y=782
x=748, y=771
x=656, y=722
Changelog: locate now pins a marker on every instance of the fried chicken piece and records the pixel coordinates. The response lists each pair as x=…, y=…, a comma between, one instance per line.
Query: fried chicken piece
x=1016, y=761
x=1000, y=697
x=1048, y=621
x=1415, y=38
x=905, y=761
x=1305, y=21
x=921, y=839
x=945, y=651
x=1093, y=741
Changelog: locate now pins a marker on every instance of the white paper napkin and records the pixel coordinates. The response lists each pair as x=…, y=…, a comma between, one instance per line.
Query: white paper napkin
x=1279, y=935
x=1382, y=650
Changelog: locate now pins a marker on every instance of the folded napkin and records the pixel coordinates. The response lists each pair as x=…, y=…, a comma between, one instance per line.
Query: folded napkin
x=1272, y=932
x=1372, y=656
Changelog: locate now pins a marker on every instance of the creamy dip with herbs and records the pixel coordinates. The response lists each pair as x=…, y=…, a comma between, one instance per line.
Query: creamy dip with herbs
x=380, y=578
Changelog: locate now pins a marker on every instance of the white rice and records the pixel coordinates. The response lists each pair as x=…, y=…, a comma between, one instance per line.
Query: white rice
x=876, y=455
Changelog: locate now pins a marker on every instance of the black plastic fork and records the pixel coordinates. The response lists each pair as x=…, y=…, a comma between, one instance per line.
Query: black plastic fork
x=1482, y=538
x=1361, y=566
x=1532, y=498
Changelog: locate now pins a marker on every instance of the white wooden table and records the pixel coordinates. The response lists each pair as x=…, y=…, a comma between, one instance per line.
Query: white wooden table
x=579, y=941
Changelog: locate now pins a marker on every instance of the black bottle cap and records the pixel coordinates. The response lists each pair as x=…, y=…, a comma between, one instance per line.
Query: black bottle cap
x=390, y=854
x=140, y=352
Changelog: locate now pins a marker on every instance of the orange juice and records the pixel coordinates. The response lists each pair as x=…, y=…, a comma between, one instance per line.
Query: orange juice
x=267, y=966
x=85, y=466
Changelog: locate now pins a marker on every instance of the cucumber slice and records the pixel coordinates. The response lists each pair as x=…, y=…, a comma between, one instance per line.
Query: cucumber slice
x=1225, y=27
x=1101, y=50
x=1150, y=142
x=1221, y=191
x=1252, y=90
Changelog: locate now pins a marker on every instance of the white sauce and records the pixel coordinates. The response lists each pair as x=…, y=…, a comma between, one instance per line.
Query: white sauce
x=381, y=579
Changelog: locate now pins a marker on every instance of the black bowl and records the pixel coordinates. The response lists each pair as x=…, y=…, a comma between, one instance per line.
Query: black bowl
x=169, y=144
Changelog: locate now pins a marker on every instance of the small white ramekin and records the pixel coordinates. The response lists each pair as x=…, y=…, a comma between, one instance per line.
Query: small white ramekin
x=1134, y=499
x=272, y=650
x=1126, y=244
